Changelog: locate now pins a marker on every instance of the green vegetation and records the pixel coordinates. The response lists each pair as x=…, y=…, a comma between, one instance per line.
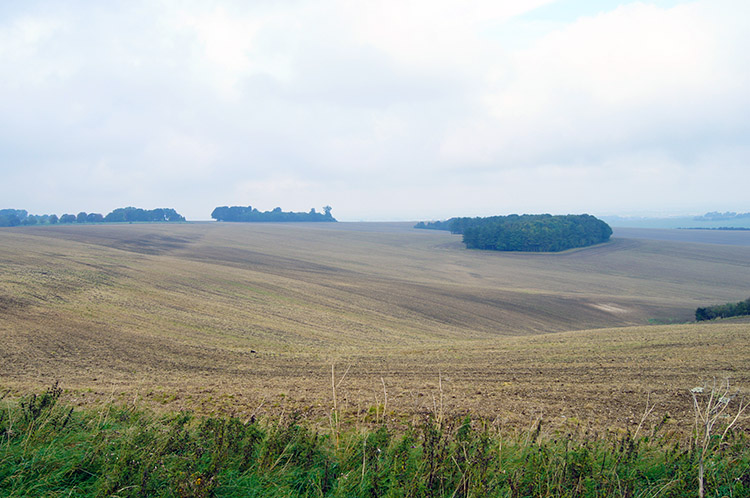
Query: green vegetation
x=130, y=214
x=21, y=217
x=16, y=217
x=436, y=225
x=531, y=233
x=50, y=449
x=728, y=310
x=251, y=214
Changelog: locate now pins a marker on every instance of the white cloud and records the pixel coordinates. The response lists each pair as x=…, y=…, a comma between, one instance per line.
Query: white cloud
x=429, y=32
x=471, y=107
x=636, y=78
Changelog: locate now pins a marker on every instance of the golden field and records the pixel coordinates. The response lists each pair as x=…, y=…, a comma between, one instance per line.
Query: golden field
x=250, y=318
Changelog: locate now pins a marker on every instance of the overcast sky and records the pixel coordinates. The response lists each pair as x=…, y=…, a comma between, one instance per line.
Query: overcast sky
x=386, y=110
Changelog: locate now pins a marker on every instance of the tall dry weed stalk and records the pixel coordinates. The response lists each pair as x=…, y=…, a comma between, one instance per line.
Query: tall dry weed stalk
x=437, y=407
x=385, y=398
x=712, y=412
x=335, y=416
x=646, y=412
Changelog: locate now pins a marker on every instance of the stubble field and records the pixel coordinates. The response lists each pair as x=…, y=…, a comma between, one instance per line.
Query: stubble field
x=250, y=319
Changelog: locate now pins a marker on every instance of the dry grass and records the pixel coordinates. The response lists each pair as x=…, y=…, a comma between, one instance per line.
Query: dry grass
x=249, y=318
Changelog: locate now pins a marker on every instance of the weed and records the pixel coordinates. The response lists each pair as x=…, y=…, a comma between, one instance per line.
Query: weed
x=712, y=414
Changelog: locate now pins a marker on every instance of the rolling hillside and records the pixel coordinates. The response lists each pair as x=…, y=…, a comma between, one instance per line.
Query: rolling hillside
x=237, y=318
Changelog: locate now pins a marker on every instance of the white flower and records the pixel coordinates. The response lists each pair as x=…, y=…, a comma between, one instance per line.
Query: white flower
x=696, y=390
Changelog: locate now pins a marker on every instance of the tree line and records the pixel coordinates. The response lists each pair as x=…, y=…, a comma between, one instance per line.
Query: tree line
x=20, y=217
x=251, y=214
x=717, y=216
x=528, y=232
x=436, y=225
x=723, y=311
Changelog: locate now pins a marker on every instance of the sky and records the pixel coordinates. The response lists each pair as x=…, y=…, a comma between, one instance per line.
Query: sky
x=384, y=110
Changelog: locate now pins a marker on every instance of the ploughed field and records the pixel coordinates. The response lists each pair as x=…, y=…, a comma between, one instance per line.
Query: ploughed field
x=250, y=319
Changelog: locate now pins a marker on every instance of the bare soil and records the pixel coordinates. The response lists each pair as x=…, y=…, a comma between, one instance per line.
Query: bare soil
x=250, y=319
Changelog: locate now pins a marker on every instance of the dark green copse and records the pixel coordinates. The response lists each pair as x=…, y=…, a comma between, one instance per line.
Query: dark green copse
x=528, y=232
x=251, y=214
x=728, y=310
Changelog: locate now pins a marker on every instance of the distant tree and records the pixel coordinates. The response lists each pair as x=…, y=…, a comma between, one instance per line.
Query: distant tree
x=118, y=215
x=53, y=219
x=723, y=311
x=94, y=218
x=68, y=218
x=435, y=225
x=20, y=213
x=167, y=214
x=81, y=218
x=7, y=220
x=221, y=213
x=132, y=214
x=250, y=214
x=716, y=216
x=12, y=217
